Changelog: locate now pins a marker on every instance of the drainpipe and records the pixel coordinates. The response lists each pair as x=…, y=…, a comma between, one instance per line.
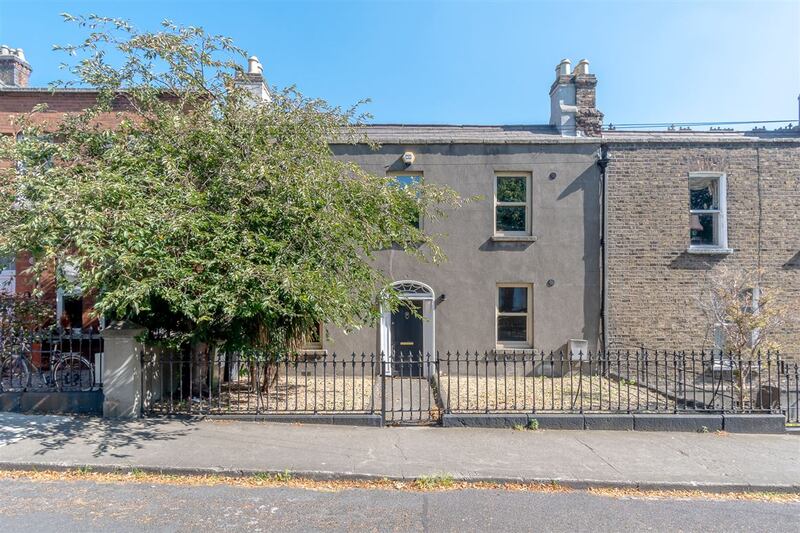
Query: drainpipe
x=602, y=163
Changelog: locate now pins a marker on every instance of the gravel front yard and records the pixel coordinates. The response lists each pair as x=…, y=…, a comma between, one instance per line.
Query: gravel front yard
x=464, y=393
x=568, y=393
x=291, y=393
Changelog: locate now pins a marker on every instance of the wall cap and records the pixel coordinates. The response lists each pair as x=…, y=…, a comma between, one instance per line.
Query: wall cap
x=122, y=328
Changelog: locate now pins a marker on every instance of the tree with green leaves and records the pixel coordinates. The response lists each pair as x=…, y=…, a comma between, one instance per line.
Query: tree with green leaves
x=205, y=214
x=744, y=315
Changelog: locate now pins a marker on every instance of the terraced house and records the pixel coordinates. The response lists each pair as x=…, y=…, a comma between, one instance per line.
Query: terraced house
x=583, y=237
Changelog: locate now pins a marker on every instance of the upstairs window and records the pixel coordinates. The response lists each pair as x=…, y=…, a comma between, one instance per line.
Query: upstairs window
x=512, y=204
x=410, y=180
x=708, y=226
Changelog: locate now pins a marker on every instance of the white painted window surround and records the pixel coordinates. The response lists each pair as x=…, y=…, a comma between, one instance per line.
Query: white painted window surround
x=716, y=214
x=517, y=204
x=514, y=306
x=73, y=292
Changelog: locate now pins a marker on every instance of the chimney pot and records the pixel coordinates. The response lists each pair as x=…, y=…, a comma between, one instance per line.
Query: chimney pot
x=563, y=68
x=582, y=68
x=254, y=66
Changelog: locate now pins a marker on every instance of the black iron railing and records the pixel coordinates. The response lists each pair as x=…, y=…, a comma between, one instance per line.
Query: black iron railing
x=651, y=382
x=790, y=391
x=226, y=383
x=51, y=360
x=422, y=387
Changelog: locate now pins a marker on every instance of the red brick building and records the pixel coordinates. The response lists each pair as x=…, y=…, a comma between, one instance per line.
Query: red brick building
x=16, y=100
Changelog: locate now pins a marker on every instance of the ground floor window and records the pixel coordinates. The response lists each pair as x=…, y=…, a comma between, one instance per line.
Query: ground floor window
x=8, y=274
x=312, y=339
x=514, y=315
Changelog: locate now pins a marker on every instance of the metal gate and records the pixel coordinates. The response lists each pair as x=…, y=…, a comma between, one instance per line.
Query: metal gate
x=410, y=390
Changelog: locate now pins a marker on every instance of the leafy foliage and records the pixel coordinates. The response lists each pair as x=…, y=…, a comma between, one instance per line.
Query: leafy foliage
x=748, y=313
x=203, y=213
x=22, y=313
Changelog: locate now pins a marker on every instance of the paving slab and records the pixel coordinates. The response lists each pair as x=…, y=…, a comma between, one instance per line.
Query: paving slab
x=712, y=461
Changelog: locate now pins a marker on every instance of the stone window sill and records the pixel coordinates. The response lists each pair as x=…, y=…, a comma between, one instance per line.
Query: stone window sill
x=514, y=238
x=710, y=250
x=312, y=351
x=512, y=351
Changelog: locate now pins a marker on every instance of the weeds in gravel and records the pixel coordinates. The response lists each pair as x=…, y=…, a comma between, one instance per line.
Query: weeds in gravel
x=280, y=477
x=435, y=481
x=137, y=473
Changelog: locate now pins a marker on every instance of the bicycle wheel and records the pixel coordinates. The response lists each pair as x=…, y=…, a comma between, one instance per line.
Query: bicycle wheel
x=73, y=373
x=15, y=374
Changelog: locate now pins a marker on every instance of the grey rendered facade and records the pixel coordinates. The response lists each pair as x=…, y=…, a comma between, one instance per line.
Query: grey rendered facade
x=507, y=283
x=559, y=260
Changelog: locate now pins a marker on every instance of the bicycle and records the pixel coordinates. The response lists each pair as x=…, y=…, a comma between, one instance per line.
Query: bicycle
x=69, y=371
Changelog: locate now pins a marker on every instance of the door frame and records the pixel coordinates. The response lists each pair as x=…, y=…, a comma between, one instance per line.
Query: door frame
x=410, y=290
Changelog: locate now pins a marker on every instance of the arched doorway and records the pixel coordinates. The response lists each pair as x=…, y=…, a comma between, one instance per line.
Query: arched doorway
x=404, y=335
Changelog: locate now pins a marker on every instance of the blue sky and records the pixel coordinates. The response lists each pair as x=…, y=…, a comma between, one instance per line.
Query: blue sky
x=481, y=62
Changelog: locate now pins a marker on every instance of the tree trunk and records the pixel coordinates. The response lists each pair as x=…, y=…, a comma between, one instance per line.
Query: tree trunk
x=200, y=358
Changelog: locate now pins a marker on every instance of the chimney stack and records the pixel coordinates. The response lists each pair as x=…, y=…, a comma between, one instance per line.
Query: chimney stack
x=14, y=70
x=254, y=81
x=573, y=105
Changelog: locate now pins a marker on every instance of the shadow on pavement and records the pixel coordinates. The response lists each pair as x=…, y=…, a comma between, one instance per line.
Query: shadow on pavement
x=105, y=437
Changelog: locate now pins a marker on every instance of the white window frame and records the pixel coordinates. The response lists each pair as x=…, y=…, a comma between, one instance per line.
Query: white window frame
x=720, y=215
x=507, y=345
x=415, y=174
x=69, y=271
x=526, y=204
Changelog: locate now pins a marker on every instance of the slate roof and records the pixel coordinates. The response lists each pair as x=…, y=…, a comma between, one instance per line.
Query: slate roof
x=696, y=137
x=454, y=134
x=545, y=134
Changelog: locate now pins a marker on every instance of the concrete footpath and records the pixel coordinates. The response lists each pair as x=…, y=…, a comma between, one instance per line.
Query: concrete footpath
x=712, y=461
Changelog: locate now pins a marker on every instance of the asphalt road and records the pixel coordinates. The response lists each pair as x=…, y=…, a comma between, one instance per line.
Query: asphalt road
x=87, y=506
